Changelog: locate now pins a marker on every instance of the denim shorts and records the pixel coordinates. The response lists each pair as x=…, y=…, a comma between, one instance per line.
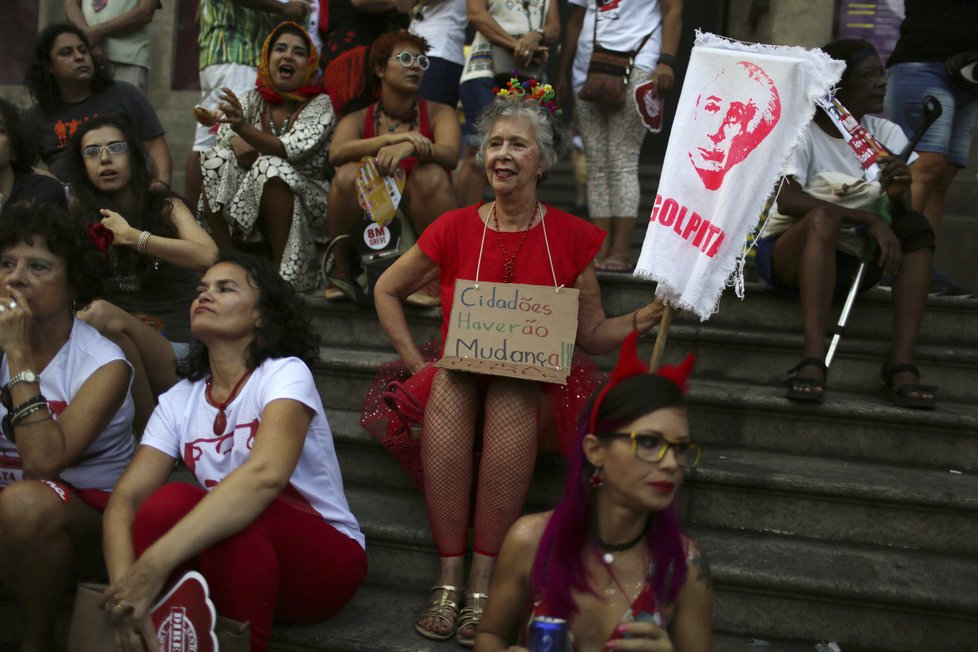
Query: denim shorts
x=951, y=134
x=845, y=268
x=441, y=81
x=476, y=95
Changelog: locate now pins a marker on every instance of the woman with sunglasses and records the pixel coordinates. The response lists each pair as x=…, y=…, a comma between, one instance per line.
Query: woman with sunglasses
x=158, y=249
x=611, y=559
x=66, y=414
x=265, y=182
x=401, y=130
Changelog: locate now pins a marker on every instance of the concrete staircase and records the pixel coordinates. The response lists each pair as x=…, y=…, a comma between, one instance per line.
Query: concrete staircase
x=853, y=522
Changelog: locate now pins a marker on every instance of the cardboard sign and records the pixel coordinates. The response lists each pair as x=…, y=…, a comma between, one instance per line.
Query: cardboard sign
x=514, y=330
x=650, y=106
x=378, y=195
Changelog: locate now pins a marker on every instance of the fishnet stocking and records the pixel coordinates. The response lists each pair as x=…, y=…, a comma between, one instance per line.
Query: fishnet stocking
x=446, y=455
x=509, y=451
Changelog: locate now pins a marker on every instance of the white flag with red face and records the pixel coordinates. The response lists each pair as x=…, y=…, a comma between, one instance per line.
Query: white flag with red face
x=742, y=109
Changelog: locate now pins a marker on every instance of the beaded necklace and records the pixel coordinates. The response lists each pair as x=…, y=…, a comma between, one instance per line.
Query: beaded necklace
x=509, y=262
x=271, y=123
x=396, y=119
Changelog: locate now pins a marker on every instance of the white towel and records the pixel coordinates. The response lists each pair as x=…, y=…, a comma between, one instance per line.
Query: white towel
x=742, y=109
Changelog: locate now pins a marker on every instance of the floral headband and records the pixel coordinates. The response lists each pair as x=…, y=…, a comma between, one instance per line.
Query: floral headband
x=630, y=365
x=530, y=90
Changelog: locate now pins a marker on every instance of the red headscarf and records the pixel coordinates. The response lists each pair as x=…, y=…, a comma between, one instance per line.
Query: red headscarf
x=307, y=90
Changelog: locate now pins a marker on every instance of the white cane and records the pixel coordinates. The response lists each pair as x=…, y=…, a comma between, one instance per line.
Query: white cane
x=931, y=110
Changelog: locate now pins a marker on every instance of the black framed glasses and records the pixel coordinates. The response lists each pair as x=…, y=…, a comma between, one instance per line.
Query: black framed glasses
x=93, y=151
x=7, y=401
x=650, y=447
x=407, y=59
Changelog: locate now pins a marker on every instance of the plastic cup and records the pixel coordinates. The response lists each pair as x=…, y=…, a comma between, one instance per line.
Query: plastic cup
x=206, y=111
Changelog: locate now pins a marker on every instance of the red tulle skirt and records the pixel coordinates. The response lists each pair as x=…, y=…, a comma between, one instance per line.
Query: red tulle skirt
x=393, y=411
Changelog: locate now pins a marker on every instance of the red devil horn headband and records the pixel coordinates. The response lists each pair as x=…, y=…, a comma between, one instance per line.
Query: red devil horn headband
x=630, y=365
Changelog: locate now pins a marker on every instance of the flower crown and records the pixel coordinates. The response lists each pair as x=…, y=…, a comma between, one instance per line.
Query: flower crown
x=530, y=89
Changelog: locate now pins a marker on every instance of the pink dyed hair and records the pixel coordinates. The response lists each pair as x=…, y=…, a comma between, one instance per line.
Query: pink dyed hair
x=558, y=569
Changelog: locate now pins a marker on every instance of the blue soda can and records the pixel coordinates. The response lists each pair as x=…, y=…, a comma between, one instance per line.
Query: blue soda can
x=548, y=634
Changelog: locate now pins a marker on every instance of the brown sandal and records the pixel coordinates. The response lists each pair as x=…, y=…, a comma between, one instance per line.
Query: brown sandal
x=443, y=609
x=470, y=616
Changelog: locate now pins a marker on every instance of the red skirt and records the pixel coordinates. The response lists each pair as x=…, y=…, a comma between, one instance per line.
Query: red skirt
x=393, y=411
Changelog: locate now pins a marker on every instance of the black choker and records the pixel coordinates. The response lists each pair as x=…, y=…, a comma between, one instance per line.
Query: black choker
x=609, y=548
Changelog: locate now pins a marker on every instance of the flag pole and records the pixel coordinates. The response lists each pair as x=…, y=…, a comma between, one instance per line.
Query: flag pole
x=660, y=337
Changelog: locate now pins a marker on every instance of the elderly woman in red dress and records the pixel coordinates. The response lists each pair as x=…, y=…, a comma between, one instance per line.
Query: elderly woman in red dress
x=522, y=241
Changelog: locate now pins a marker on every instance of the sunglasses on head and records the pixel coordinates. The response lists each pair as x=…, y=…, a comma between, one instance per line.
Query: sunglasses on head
x=407, y=59
x=93, y=151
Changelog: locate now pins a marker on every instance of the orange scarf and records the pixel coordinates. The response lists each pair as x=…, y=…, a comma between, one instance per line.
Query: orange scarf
x=264, y=84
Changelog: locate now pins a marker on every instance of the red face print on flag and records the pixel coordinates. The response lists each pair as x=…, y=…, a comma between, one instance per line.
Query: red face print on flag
x=733, y=115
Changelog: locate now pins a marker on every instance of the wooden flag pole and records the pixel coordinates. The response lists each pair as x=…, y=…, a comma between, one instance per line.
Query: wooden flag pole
x=660, y=338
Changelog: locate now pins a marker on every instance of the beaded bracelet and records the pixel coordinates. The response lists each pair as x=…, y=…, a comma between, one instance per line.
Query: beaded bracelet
x=143, y=241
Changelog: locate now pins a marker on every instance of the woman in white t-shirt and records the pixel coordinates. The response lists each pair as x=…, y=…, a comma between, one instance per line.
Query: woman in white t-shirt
x=269, y=526
x=66, y=413
x=613, y=136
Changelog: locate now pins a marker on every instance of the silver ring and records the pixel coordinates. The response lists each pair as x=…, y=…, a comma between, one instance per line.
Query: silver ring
x=12, y=305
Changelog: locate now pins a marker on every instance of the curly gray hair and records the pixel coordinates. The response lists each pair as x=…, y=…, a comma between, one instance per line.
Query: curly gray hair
x=552, y=135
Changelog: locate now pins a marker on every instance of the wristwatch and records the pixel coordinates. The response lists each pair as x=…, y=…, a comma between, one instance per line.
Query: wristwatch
x=26, y=376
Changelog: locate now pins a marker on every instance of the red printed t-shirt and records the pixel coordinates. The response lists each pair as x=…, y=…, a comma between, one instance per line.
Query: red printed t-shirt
x=452, y=242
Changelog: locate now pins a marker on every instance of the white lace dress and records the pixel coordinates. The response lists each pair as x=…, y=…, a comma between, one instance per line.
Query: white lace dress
x=237, y=191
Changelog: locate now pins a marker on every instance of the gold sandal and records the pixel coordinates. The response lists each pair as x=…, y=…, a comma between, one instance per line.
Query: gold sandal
x=438, y=608
x=470, y=616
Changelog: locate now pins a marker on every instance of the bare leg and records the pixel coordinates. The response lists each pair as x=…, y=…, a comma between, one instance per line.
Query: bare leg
x=603, y=223
x=446, y=452
x=44, y=544
x=220, y=229
x=909, y=300
x=342, y=212
x=194, y=180
x=470, y=178
x=619, y=256
x=428, y=194
x=932, y=176
x=804, y=257
x=277, y=204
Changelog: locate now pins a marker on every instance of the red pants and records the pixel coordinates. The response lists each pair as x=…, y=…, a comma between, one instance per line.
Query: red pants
x=288, y=565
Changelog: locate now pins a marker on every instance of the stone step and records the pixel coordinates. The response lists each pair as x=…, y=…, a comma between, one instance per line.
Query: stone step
x=839, y=501
x=862, y=595
x=380, y=618
x=732, y=414
x=723, y=351
x=947, y=320
x=762, y=491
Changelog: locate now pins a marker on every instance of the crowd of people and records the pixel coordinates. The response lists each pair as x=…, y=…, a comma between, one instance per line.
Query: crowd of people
x=131, y=313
